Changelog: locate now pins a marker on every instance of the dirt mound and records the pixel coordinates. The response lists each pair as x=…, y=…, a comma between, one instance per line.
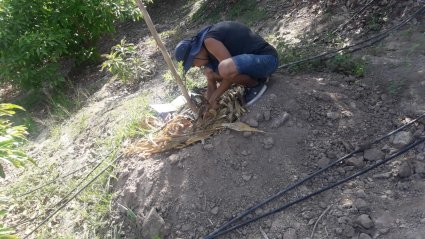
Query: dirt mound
x=309, y=120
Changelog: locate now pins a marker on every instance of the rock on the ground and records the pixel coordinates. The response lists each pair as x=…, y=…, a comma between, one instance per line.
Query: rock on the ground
x=252, y=123
x=373, y=154
x=364, y=236
x=153, y=225
x=290, y=233
x=323, y=162
x=402, y=138
x=214, y=211
x=384, y=222
x=365, y=221
x=268, y=142
x=280, y=120
x=404, y=170
x=361, y=204
x=267, y=115
x=357, y=162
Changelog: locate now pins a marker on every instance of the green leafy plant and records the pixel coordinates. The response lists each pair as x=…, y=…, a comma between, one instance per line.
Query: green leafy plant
x=193, y=78
x=395, y=87
x=11, y=138
x=346, y=64
x=123, y=62
x=38, y=35
x=5, y=232
x=289, y=53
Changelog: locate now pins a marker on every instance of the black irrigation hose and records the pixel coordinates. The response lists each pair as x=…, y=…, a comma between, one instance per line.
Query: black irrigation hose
x=53, y=181
x=64, y=197
x=71, y=198
x=380, y=162
x=352, y=17
x=299, y=182
x=375, y=39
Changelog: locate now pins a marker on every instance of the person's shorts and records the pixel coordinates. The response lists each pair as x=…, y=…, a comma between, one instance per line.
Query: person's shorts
x=258, y=67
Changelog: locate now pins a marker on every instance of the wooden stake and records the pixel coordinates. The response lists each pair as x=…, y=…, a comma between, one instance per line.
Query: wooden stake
x=166, y=56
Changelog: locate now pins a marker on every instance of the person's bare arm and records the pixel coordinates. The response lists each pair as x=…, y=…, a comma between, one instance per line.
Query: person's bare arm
x=220, y=52
x=212, y=79
x=217, y=49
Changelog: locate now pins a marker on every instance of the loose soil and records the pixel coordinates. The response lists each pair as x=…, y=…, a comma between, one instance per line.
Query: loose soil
x=309, y=120
x=199, y=188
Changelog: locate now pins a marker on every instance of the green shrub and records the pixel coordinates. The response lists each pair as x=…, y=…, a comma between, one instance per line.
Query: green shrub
x=346, y=64
x=123, y=62
x=11, y=138
x=37, y=35
x=340, y=63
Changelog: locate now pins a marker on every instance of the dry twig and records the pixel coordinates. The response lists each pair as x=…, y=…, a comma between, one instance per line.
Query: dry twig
x=318, y=219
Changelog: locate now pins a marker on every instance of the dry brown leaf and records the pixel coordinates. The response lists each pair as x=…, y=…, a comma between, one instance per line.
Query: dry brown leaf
x=241, y=127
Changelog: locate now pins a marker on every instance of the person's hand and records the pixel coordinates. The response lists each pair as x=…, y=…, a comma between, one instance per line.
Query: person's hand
x=212, y=104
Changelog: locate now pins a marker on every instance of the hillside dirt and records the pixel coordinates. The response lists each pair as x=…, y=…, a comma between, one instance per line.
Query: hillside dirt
x=310, y=119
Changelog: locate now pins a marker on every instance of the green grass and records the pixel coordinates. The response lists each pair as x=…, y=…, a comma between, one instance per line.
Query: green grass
x=89, y=214
x=246, y=11
x=341, y=63
x=395, y=87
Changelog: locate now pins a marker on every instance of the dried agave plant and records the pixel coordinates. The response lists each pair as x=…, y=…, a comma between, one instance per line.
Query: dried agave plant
x=184, y=129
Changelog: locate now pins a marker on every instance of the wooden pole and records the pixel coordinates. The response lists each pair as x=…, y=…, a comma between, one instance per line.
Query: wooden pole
x=166, y=56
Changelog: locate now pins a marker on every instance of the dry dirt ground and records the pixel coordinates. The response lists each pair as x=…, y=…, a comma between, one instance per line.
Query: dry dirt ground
x=309, y=120
x=187, y=193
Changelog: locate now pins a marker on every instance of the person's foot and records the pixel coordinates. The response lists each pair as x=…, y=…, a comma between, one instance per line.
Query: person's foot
x=255, y=93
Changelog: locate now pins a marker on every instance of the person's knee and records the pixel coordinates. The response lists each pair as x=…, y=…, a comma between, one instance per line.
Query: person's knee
x=227, y=69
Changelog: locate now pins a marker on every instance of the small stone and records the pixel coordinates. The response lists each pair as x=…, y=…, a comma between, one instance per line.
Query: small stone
x=332, y=115
x=245, y=153
x=348, y=231
x=404, y=170
x=174, y=158
x=280, y=120
x=290, y=233
x=338, y=231
x=214, y=211
x=344, y=220
x=273, y=97
x=402, y=138
x=360, y=193
x=247, y=134
x=323, y=162
x=386, y=175
x=357, y=162
x=361, y=204
x=268, y=142
x=259, y=117
x=246, y=177
x=364, y=221
x=383, y=222
x=373, y=154
x=267, y=115
x=364, y=236
x=307, y=215
x=252, y=123
x=208, y=147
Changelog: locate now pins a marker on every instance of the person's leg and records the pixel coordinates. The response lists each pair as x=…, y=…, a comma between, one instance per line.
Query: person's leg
x=230, y=75
x=259, y=67
x=229, y=71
